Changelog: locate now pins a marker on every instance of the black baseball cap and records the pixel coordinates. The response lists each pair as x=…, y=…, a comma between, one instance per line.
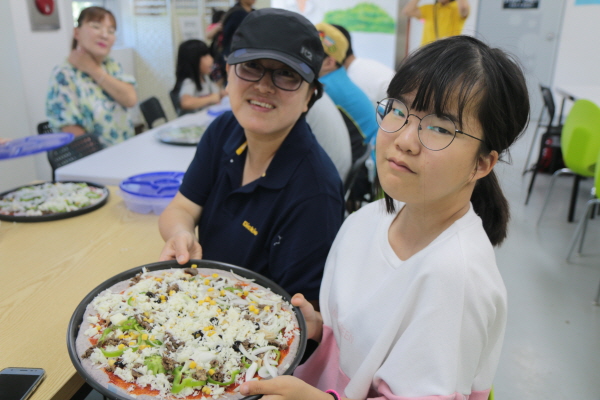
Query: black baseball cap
x=280, y=35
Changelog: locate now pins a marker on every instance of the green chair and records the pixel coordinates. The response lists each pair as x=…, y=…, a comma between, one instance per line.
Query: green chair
x=579, y=234
x=580, y=144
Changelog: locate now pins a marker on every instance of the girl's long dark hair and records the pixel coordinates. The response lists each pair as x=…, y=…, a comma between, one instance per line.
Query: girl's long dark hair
x=491, y=84
x=188, y=62
x=92, y=14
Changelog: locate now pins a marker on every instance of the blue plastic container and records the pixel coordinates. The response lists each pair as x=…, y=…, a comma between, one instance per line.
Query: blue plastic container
x=150, y=192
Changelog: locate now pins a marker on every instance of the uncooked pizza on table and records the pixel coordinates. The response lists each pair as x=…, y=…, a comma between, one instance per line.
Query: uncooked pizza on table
x=50, y=198
x=186, y=334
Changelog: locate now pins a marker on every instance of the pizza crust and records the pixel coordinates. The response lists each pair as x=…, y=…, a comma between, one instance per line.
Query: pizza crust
x=96, y=371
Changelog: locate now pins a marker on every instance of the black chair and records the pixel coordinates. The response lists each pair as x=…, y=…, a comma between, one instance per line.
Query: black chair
x=175, y=100
x=44, y=127
x=80, y=147
x=550, y=155
x=152, y=111
x=356, y=184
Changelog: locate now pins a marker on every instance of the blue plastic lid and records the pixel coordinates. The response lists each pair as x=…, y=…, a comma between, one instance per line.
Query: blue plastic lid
x=161, y=184
x=34, y=144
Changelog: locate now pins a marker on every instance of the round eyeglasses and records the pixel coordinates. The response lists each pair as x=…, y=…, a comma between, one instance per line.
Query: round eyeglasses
x=284, y=79
x=435, y=132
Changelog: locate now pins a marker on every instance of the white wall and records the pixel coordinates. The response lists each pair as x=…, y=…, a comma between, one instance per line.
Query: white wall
x=28, y=59
x=578, y=57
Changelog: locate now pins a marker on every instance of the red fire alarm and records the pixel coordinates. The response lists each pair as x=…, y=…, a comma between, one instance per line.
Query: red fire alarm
x=45, y=7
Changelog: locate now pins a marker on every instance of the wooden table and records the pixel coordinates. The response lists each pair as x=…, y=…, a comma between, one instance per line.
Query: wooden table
x=47, y=268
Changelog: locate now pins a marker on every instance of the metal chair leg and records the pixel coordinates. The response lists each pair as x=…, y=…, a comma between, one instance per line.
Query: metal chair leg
x=552, y=181
x=597, y=299
x=579, y=232
x=532, y=145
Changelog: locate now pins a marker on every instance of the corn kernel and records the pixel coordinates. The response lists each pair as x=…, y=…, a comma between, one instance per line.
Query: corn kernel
x=121, y=346
x=256, y=311
x=145, y=336
x=163, y=301
x=210, y=289
x=150, y=320
x=207, y=298
x=239, y=294
x=111, y=362
x=211, y=371
x=171, y=293
x=207, y=281
x=192, y=314
x=215, y=275
x=194, y=266
x=152, y=337
x=194, y=297
x=158, y=279
x=213, y=303
x=146, y=313
x=267, y=308
x=222, y=293
x=132, y=343
x=246, y=293
x=162, y=297
x=143, y=346
x=210, y=333
x=206, y=390
x=200, y=302
x=193, y=364
x=219, y=311
x=134, y=335
x=121, y=336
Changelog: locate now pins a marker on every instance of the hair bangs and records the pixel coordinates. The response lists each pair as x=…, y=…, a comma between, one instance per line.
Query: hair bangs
x=95, y=14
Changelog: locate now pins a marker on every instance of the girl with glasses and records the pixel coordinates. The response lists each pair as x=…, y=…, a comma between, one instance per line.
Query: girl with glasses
x=262, y=192
x=90, y=93
x=412, y=303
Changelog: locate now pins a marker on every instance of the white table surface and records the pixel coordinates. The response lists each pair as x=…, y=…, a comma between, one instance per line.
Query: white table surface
x=140, y=154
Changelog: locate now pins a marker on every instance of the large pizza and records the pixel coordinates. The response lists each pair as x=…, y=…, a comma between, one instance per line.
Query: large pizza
x=50, y=199
x=186, y=334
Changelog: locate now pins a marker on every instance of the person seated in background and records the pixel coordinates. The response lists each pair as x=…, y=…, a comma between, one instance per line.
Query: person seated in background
x=328, y=125
x=193, y=84
x=371, y=76
x=444, y=18
x=262, y=192
x=349, y=98
x=89, y=92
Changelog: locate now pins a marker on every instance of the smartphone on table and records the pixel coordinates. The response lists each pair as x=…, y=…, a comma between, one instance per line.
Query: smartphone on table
x=19, y=383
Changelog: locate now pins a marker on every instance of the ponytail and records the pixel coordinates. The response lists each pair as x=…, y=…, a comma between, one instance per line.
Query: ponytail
x=492, y=207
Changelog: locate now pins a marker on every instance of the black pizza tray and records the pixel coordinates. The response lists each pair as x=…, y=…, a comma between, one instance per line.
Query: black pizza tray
x=57, y=216
x=77, y=317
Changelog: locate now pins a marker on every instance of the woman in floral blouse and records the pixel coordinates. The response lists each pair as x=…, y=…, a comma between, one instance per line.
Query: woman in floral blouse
x=89, y=93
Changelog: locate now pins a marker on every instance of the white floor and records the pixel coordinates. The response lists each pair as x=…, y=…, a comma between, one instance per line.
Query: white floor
x=552, y=345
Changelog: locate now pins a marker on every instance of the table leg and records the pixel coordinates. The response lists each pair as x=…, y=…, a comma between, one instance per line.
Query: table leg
x=574, y=192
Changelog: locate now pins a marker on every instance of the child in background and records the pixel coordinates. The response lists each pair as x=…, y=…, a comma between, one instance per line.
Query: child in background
x=194, y=65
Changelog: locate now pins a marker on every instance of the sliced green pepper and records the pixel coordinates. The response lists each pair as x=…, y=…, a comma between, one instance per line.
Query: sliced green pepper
x=154, y=364
x=180, y=383
x=277, y=355
x=105, y=334
x=116, y=353
x=232, y=289
x=245, y=363
x=234, y=374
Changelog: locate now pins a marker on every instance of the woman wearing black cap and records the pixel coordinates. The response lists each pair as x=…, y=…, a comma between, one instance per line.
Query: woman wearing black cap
x=262, y=192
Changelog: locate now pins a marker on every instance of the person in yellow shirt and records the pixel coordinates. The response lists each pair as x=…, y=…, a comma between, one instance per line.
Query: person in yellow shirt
x=442, y=19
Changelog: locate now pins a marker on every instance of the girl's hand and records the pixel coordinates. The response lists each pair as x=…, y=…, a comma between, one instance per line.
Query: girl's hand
x=283, y=388
x=181, y=247
x=314, y=320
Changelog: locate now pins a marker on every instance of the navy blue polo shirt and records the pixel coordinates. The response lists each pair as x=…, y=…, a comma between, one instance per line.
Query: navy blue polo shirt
x=280, y=225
